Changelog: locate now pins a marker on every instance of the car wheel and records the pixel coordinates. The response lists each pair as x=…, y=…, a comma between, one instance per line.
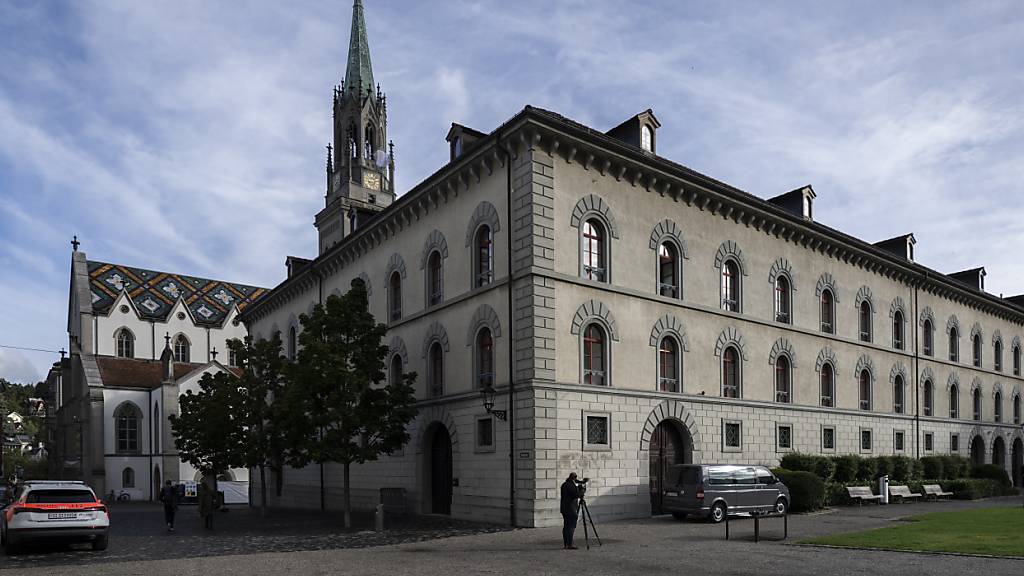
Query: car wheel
x=781, y=506
x=99, y=543
x=717, y=512
x=679, y=515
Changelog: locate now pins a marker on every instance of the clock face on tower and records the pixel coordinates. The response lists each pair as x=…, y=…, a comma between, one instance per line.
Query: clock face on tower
x=371, y=180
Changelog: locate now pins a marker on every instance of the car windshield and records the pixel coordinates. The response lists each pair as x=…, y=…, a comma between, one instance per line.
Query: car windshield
x=59, y=496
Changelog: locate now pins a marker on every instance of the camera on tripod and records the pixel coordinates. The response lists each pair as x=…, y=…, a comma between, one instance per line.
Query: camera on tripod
x=581, y=486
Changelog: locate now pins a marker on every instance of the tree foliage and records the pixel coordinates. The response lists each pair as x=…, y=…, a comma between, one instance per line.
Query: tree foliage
x=206, y=431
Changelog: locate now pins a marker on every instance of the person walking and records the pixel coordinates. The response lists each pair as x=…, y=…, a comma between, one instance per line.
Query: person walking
x=206, y=505
x=169, y=497
x=569, y=509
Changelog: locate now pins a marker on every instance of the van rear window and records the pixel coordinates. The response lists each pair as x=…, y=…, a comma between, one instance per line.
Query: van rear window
x=691, y=476
x=69, y=496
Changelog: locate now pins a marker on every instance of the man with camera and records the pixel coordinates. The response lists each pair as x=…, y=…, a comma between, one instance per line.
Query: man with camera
x=569, y=509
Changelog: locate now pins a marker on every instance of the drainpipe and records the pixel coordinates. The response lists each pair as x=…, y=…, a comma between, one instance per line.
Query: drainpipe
x=511, y=337
x=917, y=377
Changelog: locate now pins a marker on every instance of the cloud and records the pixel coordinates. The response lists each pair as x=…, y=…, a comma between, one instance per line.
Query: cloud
x=16, y=367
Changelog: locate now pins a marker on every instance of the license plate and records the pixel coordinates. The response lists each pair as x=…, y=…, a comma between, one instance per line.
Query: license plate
x=62, y=516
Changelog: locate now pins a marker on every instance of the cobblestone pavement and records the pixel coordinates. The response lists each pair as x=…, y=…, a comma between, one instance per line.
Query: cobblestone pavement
x=138, y=533
x=661, y=545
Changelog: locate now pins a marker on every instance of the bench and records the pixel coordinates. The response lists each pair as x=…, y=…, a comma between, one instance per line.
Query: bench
x=903, y=493
x=393, y=500
x=862, y=494
x=935, y=491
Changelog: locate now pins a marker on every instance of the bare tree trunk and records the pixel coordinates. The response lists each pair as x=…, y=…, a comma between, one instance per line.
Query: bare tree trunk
x=263, y=490
x=348, y=499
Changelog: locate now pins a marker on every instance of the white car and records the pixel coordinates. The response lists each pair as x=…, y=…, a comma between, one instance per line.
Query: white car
x=54, y=511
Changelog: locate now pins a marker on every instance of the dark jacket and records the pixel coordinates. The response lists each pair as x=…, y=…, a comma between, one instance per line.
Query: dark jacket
x=169, y=496
x=570, y=495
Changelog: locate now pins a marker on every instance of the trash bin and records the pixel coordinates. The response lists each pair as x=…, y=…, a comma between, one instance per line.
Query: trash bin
x=883, y=488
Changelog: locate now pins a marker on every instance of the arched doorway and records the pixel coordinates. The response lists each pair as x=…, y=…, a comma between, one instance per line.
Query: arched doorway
x=999, y=452
x=438, y=475
x=977, y=451
x=1017, y=460
x=670, y=445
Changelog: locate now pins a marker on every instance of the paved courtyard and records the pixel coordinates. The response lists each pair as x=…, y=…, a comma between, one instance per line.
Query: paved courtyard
x=311, y=543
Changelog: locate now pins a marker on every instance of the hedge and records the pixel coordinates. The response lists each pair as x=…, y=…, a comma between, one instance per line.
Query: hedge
x=991, y=472
x=962, y=489
x=806, y=490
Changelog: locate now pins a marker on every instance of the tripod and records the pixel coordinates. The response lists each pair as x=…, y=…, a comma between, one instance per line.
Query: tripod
x=584, y=514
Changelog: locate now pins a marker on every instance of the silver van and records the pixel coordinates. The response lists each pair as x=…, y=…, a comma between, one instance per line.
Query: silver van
x=714, y=490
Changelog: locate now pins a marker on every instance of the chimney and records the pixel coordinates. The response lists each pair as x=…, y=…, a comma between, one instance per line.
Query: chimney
x=799, y=202
x=902, y=246
x=639, y=131
x=460, y=139
x=975, y=278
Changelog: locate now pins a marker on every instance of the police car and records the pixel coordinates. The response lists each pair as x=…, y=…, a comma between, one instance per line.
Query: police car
x=54, y=511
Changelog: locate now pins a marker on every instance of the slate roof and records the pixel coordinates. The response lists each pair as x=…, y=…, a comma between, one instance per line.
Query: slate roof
x=155, y=293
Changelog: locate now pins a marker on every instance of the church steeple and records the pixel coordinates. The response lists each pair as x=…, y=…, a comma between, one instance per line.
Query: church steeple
x=361, y=169
x=359, y=73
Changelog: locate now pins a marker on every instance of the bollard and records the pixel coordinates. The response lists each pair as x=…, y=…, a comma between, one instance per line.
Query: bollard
x=883, y=489
x=378, y=518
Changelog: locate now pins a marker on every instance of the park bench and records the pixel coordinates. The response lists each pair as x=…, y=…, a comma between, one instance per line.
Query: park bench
x=903, y=493
x=393, y=500
x=862, y=494
x=935, y=491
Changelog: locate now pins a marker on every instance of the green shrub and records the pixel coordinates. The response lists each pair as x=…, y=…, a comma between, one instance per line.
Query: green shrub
x=866, y=469
x=991, y=472
x=975, y=488
x=797, y=462
x=846, y=468
x=932, y=466
x=954, y=467
x=824, y=467
x=917, y=469
x=806, y=489
x=901, y=468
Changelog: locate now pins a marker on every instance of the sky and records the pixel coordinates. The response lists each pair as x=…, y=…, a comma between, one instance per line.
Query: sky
x=189, y=136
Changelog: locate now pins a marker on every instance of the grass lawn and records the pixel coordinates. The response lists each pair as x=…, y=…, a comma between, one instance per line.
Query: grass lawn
x=998, y=531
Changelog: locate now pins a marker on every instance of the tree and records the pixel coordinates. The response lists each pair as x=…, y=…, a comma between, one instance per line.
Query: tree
x=257, y=413
x=339, y=408
x=206, y=432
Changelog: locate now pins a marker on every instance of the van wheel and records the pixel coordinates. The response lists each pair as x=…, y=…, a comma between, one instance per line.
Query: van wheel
x=679, y=515
x=717, y=513
x=99, y=543
x=781, y=506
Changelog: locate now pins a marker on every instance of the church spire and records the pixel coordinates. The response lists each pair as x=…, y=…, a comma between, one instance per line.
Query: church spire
x=359, y=73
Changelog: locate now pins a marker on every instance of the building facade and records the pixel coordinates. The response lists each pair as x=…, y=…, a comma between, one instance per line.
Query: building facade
x=137, y=340
x=645, y=315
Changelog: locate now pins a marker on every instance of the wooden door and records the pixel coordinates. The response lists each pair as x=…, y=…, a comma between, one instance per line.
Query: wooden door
x=441, y=472
x=667, y=448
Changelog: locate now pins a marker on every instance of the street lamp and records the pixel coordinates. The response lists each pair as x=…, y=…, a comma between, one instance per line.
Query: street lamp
x=487, y=394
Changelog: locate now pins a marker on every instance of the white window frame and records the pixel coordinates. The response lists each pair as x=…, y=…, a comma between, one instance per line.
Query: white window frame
x=899, y=433
x=727, y=448
x=586, y=441
x=823, y=447
x=871, y=441
x=778, y=436
x=480, y=448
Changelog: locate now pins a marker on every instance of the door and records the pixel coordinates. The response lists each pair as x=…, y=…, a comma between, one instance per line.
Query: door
x=1018, y=463
x=666, y=450
x=441, y=471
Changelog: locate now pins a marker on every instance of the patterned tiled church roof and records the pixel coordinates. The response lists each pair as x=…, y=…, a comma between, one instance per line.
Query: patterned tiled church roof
x=155, y=293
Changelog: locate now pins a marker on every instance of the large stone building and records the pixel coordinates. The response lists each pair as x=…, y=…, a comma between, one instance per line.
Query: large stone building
x=137, y=340
x=645, y=314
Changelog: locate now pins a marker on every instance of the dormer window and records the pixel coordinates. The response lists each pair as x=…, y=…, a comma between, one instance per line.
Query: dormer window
x=456, y=147
x=647, y=138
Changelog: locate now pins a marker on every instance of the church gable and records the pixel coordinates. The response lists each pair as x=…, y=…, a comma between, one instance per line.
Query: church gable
x=154, y=294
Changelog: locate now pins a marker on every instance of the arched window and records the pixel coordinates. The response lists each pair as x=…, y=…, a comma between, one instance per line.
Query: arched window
x=369, y=143
x=954, y=401
x=865, y=389
x=126, y=428
x=1016, y=409
x=353, y=145
x=128, y=478
x=997, y=407
x=864, y=321
x=976, y=395
x=435, y=370
x=783, y=308
x=954, y=344
x=435, y=279
x=395, y=296
x=998, y=353
x=292, y=343
x=928, y=338
x=668, y=365
x=484, y=254
x=395, y=369
x=730, y=286
x=730, y=373
x=929, y=397
x=595, y=358
x=484, y=358
x=668, y=270
x=232, y=357
x=782, y=380
x=647, y=138
x=828, y=313
x=976, y=346
x=593, y=239
x=828, y=385
x=897, y=330
x=125, y=343
x=1016, y=360
x=898, y=400
x=181, y=349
